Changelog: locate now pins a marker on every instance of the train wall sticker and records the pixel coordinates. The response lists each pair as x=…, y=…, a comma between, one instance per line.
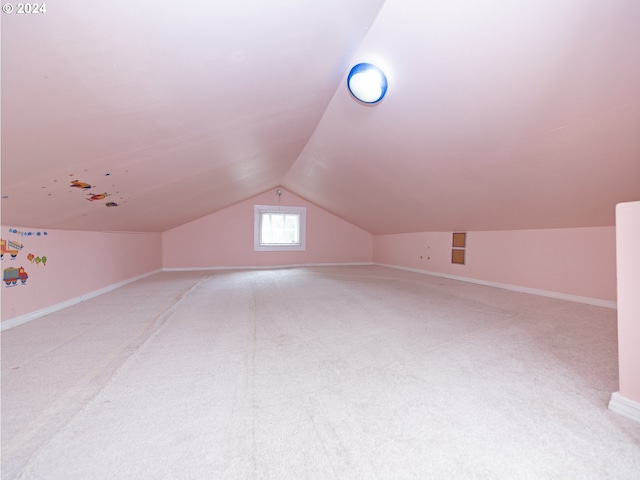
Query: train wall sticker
x=11, y=276
x=10, y=247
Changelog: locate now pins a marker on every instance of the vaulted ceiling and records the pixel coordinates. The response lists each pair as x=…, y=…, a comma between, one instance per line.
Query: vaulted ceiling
x=499, y=115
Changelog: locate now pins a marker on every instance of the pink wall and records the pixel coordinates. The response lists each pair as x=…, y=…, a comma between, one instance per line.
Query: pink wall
x=225, y=238
x=575, y=261
x=77, y=263
x=628, y=260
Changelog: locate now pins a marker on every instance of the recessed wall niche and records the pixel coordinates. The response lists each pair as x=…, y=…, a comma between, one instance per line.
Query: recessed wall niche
x=459, y=245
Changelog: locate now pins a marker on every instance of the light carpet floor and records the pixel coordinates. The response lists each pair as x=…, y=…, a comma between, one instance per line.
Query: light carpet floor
x=315, y=373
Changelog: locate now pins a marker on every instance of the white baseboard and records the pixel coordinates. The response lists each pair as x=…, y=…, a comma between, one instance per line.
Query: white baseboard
x=516, y=288
x=624, y=406
x=13, y=322
x=19, y=320
x=265, y=267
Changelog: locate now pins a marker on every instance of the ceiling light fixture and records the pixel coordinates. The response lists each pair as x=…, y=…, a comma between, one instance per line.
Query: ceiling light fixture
x=367, y=83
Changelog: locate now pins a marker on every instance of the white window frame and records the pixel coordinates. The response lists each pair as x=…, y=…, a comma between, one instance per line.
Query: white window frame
x=259, y=210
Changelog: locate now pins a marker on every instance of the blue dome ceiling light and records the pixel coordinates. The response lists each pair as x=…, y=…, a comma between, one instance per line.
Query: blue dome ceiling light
x=367, y=83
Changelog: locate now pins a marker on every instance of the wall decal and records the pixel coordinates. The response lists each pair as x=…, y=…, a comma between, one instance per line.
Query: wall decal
x=86, y=186
x=93, y=197
x=10, y=247
x=78, y=184
x=11, y=276
x=26, y=233
x=37, y=260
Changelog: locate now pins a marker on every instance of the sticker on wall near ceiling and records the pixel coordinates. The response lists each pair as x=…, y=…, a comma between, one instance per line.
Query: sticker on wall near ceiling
x=100, y=196
x=9, y=247
x=23, y=233
x=82, y=185
x=11, y=276
x=96, y=197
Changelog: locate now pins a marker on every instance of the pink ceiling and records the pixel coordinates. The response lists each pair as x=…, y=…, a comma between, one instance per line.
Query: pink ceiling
x=499, y=115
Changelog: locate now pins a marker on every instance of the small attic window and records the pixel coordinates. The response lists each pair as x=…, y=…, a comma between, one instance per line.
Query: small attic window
x=277, y=228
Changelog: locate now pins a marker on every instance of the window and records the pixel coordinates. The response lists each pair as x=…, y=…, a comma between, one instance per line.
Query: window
x=279, y=228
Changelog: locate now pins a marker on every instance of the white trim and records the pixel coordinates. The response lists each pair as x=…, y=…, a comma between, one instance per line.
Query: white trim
x=259, y=210
x=14, y=322
x=624, y=406
x=27, y=317
x=265, y=267
x=516, y=288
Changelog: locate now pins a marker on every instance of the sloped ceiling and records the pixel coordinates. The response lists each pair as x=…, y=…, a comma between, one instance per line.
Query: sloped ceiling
x=499, y=115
